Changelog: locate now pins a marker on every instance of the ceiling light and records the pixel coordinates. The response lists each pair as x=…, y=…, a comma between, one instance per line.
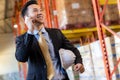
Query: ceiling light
x=15, y=26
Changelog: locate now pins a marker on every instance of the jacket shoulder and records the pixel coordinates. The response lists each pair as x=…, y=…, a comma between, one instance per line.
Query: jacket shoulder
x=21, y=36
x=53, y=29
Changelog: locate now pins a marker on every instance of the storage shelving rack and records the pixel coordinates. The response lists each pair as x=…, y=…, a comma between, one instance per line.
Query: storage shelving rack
x=100, y=26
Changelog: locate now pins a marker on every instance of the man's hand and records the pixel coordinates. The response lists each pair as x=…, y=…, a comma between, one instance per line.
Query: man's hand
x=79, y=67
x=29, y=23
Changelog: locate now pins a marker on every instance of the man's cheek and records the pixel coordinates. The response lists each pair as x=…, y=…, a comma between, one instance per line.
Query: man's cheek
x=33, y=15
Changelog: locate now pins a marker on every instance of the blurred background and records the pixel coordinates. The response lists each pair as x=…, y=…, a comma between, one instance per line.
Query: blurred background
x=8, y=63
x=91, y=25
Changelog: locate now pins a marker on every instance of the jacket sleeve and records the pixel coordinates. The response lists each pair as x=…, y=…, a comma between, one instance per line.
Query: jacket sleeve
x=23, y=44
x=67, y=45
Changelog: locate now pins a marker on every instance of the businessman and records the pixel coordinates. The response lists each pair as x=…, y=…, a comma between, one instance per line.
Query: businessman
x=29, y=50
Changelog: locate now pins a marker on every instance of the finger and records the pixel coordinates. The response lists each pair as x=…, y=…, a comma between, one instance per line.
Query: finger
x=76, y=67
x=82, y=69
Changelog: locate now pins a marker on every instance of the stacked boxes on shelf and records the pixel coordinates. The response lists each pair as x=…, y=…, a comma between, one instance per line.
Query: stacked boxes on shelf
x=93, y=59
x=111, y=16
x=88, y=64
x=97, y=58
x=75, y=14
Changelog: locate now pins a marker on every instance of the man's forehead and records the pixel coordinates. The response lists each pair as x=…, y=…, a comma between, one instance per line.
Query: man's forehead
x=34, y=6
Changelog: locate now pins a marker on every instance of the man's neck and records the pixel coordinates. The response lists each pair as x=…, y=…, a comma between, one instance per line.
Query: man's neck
x=40, y=27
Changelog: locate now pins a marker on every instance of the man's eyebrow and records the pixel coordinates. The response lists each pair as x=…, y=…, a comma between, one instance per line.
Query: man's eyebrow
x=34, y=8
x=39, y=8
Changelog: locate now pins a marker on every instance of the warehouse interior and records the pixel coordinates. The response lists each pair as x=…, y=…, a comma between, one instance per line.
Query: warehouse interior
x=93, y=26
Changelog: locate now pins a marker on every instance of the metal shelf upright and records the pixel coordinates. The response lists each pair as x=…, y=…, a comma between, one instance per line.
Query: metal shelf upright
x=16, y=20
x=100, y=26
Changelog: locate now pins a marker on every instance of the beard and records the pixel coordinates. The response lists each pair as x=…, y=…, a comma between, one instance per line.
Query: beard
x=37, y=22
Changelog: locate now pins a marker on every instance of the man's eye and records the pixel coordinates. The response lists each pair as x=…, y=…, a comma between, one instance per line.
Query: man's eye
x=41, y=10
x=36, y=10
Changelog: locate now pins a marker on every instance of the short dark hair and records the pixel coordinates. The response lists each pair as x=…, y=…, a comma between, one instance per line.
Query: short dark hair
x=24, y=8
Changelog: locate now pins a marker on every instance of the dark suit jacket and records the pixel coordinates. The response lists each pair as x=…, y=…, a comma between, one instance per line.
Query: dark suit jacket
x=27, y=49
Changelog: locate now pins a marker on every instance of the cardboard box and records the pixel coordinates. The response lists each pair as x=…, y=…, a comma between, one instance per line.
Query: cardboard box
x=111, y=15
x=74, y=12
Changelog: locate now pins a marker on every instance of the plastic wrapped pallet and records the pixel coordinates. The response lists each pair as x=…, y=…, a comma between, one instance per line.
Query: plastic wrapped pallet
x=98, y=58
x=75, y=13
x=88, y=64
x=98, y=61
x=117, y=50
x=110, y=46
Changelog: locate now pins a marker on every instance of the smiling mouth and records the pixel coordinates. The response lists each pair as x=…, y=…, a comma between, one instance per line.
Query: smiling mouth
x=39, y=16
x=37, y=23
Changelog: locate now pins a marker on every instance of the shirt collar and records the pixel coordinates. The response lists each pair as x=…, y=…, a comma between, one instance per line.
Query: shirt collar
x=36, y=31
x=43, y=30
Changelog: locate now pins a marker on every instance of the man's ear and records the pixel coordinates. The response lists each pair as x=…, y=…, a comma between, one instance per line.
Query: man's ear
x=24, y=17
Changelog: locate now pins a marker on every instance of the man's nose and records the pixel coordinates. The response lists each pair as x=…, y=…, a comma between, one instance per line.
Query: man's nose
x=39, y=12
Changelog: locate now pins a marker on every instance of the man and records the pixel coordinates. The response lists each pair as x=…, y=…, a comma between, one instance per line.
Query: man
x=28, y=48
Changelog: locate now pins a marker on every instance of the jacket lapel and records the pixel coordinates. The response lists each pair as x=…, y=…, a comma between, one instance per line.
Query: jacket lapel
x=52, y=36
x=35, y=44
